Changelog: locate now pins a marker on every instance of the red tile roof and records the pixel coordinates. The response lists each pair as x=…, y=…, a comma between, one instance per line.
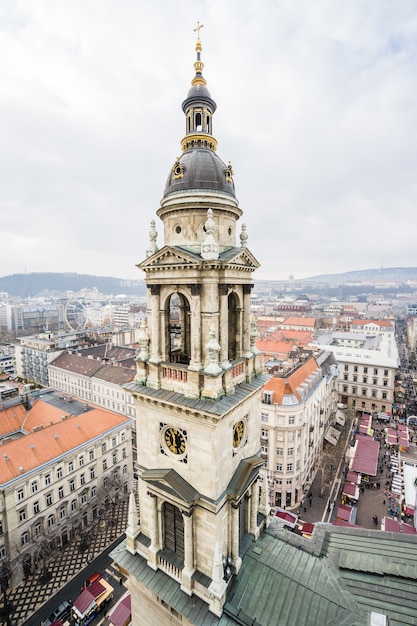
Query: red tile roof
x=382, y=323
x=22, y=455
x=289, y=385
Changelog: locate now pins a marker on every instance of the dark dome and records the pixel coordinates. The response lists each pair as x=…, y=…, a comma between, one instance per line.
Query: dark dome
x=201, y=169
x=198, y=93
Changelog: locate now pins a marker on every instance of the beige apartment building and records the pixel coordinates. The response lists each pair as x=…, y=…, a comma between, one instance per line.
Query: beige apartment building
x=61, y=468
x=367, y=366
x=296, y=411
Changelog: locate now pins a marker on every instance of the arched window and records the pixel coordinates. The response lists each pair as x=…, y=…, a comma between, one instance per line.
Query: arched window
x=178, y=329
x=173, y=529
x=198, y=123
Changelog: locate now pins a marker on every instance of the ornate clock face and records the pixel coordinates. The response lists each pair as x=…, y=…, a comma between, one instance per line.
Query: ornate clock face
x=174, y=440
x=238, y=433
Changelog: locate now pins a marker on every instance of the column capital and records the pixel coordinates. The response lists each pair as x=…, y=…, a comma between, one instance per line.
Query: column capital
x=195, y=289
x=223, y=289
x=154, y=289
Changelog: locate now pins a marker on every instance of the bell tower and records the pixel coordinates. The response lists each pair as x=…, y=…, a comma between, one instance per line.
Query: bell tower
x=198, y=381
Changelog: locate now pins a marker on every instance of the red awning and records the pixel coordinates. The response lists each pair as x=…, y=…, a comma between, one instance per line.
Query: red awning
x=351, y=490
x=307, y=528
x=339, y=522
x=122, y=614
x=407, y=529
x=353, y=477
x=344, y=512
x=394, y=526
x=366, y=456
x=288, y=518
x=88, y=596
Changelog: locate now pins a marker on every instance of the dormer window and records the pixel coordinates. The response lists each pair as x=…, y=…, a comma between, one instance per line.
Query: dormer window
x=268, y=395
x=228, y=172
x=178, y=169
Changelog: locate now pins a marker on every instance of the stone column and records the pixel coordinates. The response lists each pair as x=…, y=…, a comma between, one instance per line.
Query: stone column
x=254, y=493
x=224, y=326
x=196, y=357
x=246, y=321
x=154, y=323
x=154, y=547
x=187, y=572
x=235, y=536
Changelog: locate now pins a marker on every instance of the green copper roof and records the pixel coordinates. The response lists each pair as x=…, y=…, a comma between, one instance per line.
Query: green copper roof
x=336, y=578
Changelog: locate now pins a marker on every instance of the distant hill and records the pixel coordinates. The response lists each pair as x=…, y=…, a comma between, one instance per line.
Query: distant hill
x=387, y=274
x=56, y=284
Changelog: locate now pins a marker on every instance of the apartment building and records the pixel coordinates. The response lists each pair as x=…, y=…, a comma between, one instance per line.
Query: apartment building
x=295, y=412
x=367, y=366
x=62, y=466
x=93, y=381
x=34, y=353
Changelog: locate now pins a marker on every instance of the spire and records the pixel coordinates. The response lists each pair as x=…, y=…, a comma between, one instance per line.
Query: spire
x=199, y=107
x=198, y=65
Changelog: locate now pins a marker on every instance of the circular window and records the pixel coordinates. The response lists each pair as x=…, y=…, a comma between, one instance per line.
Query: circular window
x=178, y=229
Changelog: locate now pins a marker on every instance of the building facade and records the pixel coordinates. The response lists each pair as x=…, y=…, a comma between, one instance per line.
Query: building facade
x=295, y=412
x=58, y=472
x=34, y=353
x=367, y=367
x=92, y=381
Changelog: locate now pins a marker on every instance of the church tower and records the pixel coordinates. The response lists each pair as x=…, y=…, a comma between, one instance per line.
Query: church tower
x=197, y=385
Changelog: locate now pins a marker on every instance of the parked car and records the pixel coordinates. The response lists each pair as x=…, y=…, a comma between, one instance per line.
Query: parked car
x=60, y=613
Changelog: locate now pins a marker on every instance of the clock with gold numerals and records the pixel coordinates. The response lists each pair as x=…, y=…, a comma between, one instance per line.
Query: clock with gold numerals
x=238, y=433
x=175, y=439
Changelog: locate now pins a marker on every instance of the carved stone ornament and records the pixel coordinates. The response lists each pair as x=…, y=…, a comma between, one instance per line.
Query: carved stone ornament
x=210, y=247
x=152, y=248
x=154, y=289
x=143, y=341
x=243, y=236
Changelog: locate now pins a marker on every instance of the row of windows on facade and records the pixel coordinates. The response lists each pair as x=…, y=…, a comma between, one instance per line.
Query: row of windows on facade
x=23, y=513
x=374, y=393
x=366, y=370
x=385, y=381
x=79, y=382
x=291, y=419
x=373, y=407
x=280, y=451
x=281, y=435
x=48, y=478
x=50, y=522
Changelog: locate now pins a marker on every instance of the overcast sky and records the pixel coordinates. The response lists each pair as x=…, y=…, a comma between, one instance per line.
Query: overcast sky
x=316, y=110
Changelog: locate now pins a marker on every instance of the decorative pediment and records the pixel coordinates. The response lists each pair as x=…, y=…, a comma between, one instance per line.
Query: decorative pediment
x=170, y=482
x=241, y=257
x=246, y=472
x=170, y=256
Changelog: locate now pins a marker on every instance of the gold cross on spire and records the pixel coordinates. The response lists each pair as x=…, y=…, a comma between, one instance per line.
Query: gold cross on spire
x=198, y=29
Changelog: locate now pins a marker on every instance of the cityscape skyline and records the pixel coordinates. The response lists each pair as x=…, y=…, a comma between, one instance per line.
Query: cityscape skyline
x=325, y=177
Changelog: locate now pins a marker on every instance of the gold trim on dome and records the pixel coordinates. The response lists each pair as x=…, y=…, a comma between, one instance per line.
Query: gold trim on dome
x=199, y=140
